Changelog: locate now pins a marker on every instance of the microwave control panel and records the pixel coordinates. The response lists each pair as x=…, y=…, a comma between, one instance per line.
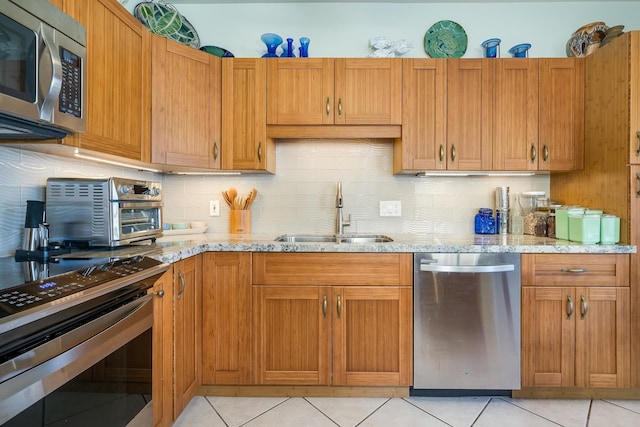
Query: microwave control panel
x=70, y=100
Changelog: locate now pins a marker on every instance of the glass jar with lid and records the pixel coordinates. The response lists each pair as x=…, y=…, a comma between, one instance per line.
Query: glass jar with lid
x=540, y=224
x=484, y=222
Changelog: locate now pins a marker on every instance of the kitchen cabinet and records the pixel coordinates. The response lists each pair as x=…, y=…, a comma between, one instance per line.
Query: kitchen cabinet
x=332, y=318
x=538, y=114
x=118, y=72
x=611, y=159
x=187, y=318
x=185, y=106
x=575, y=321
x=341, y=91
x=446, y=116
x=162, y=361
x=245, y=144
x=226, y=318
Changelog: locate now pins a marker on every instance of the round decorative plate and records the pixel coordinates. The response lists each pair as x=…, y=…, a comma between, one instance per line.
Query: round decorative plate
x=445, y=39
x=163, y=19
x=217, y=51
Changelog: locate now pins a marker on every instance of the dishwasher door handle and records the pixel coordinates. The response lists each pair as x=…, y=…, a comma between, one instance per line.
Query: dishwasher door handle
x=467, y=268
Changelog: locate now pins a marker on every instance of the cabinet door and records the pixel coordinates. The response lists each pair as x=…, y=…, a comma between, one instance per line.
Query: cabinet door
x=185, y=110
x=244, y=129
x=368, y=91
x=602, y=337
x=292, y=334
x=561, y=128
x=516, y=115
x=372, y=336
x=226, y=321
x=118, y=79
x=300, y=91
x=548, y=336
x=424, y=97
x=162, y=381
x=187, y=297
x=469, y=114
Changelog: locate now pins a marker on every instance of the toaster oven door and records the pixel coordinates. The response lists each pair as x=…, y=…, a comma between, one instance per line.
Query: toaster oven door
x=133, y=221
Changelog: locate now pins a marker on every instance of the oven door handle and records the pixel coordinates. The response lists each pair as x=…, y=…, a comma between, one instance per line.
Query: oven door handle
x=56, y=362
x=467, y=268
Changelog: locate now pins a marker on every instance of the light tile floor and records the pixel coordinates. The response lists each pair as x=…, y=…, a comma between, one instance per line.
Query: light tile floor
x=213, y=411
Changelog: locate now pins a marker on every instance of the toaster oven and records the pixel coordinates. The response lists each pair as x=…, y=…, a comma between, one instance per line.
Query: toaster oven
x=103, y=211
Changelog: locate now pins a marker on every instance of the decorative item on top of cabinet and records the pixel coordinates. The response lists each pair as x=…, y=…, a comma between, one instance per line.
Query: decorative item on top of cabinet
x=437, y=94
x=575, y=323
x=163, y=19
x=342, y=91
x=118, y=118
x=244, y=122
x=330, y=318
x=185, y=107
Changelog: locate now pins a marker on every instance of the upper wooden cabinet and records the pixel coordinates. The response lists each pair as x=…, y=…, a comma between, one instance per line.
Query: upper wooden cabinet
x=185, y=108
x=324, y=91
x=538, y=114
x=244, y=123
x=446, y=115
x=118, y=79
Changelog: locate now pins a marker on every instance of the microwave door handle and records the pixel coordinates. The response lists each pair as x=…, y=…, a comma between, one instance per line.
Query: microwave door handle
x=54, y=81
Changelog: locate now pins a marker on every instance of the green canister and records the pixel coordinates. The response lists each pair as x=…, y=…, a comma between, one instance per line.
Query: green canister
x=609, y=230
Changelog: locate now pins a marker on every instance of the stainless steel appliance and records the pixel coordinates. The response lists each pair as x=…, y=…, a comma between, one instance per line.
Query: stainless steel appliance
x=466, y=323
x=42, y=71
x=75, y=336
x=103, y=211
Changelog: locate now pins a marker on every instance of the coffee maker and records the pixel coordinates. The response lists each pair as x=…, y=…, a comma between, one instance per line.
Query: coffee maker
x=35, y=244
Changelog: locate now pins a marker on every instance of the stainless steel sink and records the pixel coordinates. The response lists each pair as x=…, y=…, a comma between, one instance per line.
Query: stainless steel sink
x=330, y=238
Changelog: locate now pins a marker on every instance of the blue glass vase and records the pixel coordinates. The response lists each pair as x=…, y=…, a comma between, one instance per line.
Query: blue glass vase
x=491, y=48
x=520, y=50
x=304, y=47
x=272, y=41
x=287, y=49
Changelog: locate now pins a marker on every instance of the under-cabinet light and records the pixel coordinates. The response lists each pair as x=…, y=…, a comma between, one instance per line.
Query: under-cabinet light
x=428, y=174
x=208, y=173
x=112, y=162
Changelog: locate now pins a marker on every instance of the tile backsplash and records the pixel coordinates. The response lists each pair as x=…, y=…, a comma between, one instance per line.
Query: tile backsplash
x=300, y=197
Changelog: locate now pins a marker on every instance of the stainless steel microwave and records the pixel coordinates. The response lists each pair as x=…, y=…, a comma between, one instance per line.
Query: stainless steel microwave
x=42, y=71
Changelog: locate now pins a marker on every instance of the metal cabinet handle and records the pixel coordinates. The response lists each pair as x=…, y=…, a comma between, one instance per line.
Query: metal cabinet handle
x=574, y=270
x=339, y=306
x=441, y=153
x=534, y=153
x=339, y=107
x=584, y=307
x=638, y=142
x=328, y=107
x=182, y=283
x=160, y=293
x=637, y=184
x=545, y=153
x=215, y=150
x=454, y=153
x=259, y=152
x=569, y=307
x=324, y=306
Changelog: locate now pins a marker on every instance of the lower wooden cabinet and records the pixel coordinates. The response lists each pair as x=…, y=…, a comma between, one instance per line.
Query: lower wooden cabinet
x=340, y=319
x=162, y=361
x=575, y=321
x=226, y=321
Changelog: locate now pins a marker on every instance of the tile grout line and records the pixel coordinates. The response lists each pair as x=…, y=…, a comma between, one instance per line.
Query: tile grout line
x=425, y=411
x=216, y=411
x=373, y=412
x=531, y=412
x=319, y=410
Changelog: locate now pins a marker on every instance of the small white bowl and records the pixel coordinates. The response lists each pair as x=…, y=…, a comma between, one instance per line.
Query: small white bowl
x=198, y=224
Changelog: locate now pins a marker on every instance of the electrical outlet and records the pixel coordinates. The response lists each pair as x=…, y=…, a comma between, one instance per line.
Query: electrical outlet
x=214, y=207
x=390, y=208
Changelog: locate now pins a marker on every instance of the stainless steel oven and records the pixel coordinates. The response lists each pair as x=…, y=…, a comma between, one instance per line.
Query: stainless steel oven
x=103, y=211
x=76, y=348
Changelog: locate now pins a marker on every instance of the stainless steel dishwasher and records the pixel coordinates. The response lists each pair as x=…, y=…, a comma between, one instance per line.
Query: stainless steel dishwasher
x=466, y=310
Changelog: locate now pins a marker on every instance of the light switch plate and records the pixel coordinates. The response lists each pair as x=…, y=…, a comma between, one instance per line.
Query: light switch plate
x=390, y=208
x=214, y=207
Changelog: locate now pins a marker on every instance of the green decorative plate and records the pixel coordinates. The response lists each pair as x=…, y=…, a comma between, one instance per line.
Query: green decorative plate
x=445, y=39
x=163, y=19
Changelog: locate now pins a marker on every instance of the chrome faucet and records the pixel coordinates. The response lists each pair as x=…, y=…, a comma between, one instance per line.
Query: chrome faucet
x=341, y=223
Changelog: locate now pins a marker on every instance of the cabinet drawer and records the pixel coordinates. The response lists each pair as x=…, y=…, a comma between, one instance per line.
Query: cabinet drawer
x=332, y=269
x=575, y=270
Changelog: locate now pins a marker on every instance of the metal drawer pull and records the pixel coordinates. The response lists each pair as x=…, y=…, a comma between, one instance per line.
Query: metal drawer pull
x=324, y=305
x=454, y=153
x=441, y=153
x=467, y=268
x=569, y=306
x=638, y=139
x=328, y=107
x=259, y=152
x=584, y=307
x=545, y=153
x=182, y=284
x=339, y=107
x=574, y=270
x=534, y=153
x=339, y=306
x=215, y=150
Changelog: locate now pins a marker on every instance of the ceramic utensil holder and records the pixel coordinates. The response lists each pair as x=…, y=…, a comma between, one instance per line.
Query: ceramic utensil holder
x=239, y=221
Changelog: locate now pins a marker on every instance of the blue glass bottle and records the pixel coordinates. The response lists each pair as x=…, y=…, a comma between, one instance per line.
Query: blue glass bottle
x=491, y=48
x=520, y=50
x=304, y=47
x=287, y=49
x=484, y=222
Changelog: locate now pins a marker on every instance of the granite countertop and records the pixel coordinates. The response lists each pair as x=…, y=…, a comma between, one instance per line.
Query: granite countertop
x=177, y=247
